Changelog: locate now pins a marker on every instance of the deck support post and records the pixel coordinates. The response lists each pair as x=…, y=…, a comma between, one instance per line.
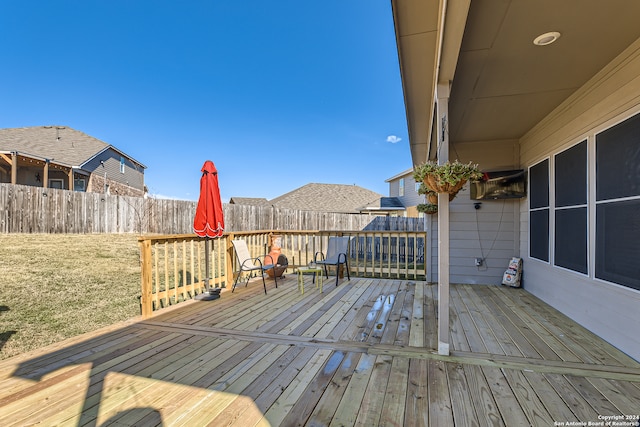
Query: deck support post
x=443, y=223
x=443, y=273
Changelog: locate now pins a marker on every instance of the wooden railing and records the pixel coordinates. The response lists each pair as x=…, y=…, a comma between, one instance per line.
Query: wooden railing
x=173, y=266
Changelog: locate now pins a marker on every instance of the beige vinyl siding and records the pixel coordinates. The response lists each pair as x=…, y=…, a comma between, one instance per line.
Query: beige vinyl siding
x=607, y=309
x=492, y=232
x=411, y=198
x=412, y=212
x=431, y=255
x=394, y=188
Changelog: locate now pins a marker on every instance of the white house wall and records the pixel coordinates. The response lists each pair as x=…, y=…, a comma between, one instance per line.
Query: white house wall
x=608, y=310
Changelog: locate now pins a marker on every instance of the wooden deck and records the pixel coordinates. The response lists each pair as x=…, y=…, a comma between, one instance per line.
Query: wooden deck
x=357, y=354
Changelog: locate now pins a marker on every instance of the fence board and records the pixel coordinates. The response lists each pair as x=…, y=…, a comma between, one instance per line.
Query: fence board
x=27, y=209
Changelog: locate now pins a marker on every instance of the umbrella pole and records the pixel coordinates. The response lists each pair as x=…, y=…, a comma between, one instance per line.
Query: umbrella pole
x=207, y=249
x=209, y=294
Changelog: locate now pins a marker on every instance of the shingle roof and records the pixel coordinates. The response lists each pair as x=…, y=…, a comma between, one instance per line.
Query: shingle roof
x=253, y=201
x=60, y=143
x=327, y=198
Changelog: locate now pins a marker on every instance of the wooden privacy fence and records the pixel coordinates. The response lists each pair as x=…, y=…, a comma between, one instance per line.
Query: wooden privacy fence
x=173, y=266
x=27, y=209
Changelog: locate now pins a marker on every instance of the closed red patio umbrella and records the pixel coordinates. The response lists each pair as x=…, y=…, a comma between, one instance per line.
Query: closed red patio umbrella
x=209, y=219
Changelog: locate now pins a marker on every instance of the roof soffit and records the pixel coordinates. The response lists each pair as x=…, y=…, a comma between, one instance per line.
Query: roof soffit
x=503, y=85
x=417, y=38
x=428, y=56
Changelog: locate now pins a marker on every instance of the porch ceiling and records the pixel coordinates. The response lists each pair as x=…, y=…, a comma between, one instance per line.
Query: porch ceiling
x=501, y=83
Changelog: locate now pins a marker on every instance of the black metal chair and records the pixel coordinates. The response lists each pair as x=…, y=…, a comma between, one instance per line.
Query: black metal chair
x=336, y=256
x=250, y=264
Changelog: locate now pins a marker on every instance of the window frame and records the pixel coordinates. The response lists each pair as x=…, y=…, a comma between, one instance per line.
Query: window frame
x=540, y=208
x=52, y=180
x=620, y=273
x=84, y=184
x=564, y=208
x=601, y=201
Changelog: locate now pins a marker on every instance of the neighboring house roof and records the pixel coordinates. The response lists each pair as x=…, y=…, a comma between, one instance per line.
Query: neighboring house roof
x=327, y=198
x=253, y=201
x=63, y=144
x=384, y=204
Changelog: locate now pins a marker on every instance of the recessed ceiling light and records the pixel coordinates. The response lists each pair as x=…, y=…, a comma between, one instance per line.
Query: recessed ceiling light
x=546, y=38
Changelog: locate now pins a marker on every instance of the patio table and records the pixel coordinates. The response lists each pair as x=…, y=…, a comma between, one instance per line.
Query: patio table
x=315, y=270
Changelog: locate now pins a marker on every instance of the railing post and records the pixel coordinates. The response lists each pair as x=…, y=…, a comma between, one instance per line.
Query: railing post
x=146, y=278
x=228, y=269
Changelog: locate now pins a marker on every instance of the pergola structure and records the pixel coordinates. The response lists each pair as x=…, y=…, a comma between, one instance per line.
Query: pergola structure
x=11, y=161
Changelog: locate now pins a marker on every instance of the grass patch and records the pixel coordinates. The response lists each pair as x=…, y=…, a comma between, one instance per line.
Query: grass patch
x=56, y=286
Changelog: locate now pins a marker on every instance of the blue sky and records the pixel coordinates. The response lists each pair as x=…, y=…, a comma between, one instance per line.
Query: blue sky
x=278, y=94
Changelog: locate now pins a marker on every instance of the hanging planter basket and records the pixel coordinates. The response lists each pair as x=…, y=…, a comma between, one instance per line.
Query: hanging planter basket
x=447, y=178
x=434, y=182
x=428, y=208
x=432, y=197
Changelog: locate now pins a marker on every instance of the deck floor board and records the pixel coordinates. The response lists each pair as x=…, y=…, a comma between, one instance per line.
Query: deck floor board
x=362, y=353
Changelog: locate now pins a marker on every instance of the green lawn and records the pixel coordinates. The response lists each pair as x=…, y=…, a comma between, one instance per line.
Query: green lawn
x=55, y=286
